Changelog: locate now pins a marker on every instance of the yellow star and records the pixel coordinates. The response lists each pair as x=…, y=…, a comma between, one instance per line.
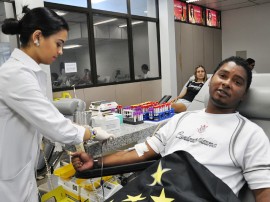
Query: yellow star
x=158, y=174
x=134, y=198
x=162, y=197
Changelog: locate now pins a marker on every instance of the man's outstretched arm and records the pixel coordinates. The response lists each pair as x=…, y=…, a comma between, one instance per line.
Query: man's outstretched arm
x=82, y=161
x=262, y=195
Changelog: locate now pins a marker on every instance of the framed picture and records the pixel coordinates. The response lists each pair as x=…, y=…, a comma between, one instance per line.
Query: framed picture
x=212, y=18
x=196, y=14
x=180, y=11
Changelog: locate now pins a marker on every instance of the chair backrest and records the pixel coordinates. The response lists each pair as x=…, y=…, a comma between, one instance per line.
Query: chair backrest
x=255, y=107
x=192, y=79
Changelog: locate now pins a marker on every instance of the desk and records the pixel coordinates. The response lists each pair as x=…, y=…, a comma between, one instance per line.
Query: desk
x=126, y=135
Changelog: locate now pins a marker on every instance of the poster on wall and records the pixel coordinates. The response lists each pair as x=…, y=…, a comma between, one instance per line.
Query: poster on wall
x=196, y=14
x=212, y=18
x=180, y=11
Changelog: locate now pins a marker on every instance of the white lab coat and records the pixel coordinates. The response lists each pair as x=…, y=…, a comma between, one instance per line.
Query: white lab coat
x=25, y=114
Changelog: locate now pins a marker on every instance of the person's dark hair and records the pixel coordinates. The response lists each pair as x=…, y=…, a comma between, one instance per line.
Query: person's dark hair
x=145, y=67
x=54, y=76
x=240, y=62
x=86, y=70
x=250, y=61
x=195, y=73
x=41, y=18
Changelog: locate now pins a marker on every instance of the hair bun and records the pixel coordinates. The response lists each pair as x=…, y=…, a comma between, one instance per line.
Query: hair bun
x=25, y=9
x=11, y=26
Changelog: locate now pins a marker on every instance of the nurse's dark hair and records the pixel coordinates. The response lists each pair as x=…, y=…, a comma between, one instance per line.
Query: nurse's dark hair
x=41, y=18
x=240, y=62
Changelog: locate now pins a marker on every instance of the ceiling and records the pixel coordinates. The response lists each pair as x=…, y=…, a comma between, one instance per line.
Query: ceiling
x=224, y=5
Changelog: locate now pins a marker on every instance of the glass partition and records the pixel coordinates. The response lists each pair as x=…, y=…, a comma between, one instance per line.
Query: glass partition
x=79, y=3
x=145, y=49
x=110, y=5
x=108, y=43
x=145, y=8
x=73, y=67
x=111, y=45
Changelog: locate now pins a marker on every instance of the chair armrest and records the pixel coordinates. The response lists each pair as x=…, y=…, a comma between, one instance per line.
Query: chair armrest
x=114, y=170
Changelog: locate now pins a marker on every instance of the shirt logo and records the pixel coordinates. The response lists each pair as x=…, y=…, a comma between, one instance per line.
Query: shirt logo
x=202, y=129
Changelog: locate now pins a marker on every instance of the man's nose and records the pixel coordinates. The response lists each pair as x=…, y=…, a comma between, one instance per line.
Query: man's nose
x=226, y=83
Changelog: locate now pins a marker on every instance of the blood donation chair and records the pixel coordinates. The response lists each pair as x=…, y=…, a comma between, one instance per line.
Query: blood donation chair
x=256, y=107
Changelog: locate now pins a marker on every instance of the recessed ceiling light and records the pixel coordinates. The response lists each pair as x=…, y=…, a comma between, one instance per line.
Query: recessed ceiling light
x=72, y=46
x=61, y=13
x=133, y=23
x=105, y=21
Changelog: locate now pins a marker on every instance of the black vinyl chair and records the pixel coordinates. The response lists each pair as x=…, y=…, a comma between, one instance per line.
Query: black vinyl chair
x=135, y=167
x=49, y=157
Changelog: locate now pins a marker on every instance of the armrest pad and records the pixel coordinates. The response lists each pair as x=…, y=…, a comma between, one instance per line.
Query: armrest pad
x=114, y=170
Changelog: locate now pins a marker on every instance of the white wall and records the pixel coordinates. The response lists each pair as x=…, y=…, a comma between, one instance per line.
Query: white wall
x=167, y=48
x=248, y=29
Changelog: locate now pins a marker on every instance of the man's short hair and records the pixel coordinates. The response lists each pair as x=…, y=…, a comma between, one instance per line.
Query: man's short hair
x=240, y=62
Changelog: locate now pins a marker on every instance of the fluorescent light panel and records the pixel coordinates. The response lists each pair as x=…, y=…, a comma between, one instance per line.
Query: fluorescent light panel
x=72, y=46
x=61, y=13
x=134, y=23
x=105, y=21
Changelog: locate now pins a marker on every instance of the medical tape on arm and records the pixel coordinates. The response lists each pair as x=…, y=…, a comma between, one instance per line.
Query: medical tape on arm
x=141, y=148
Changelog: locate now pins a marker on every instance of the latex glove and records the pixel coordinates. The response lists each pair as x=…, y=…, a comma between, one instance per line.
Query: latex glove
x=101, y=135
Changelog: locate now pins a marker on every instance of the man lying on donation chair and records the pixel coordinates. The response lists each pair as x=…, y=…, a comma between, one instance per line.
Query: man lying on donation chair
x=208, y=155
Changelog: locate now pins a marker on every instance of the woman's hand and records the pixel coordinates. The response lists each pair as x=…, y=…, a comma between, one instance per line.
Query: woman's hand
x=174, y=100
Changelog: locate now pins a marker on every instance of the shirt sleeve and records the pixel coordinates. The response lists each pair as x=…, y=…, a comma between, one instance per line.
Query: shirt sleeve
x=158, y=142
x=25, y=97
x=256, y=164
x=188, y=84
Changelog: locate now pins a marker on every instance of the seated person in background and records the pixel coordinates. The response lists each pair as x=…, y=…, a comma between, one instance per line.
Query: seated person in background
x=54, y=79
x=87, y=78
x=181, y=103
x=63, y=79
x=232, y=153
x=74, y=78
x=251, y=63
x=117, y=75
x=146, y=71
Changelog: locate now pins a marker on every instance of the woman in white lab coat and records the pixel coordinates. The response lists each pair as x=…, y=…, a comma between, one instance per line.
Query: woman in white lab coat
x=25, y=111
